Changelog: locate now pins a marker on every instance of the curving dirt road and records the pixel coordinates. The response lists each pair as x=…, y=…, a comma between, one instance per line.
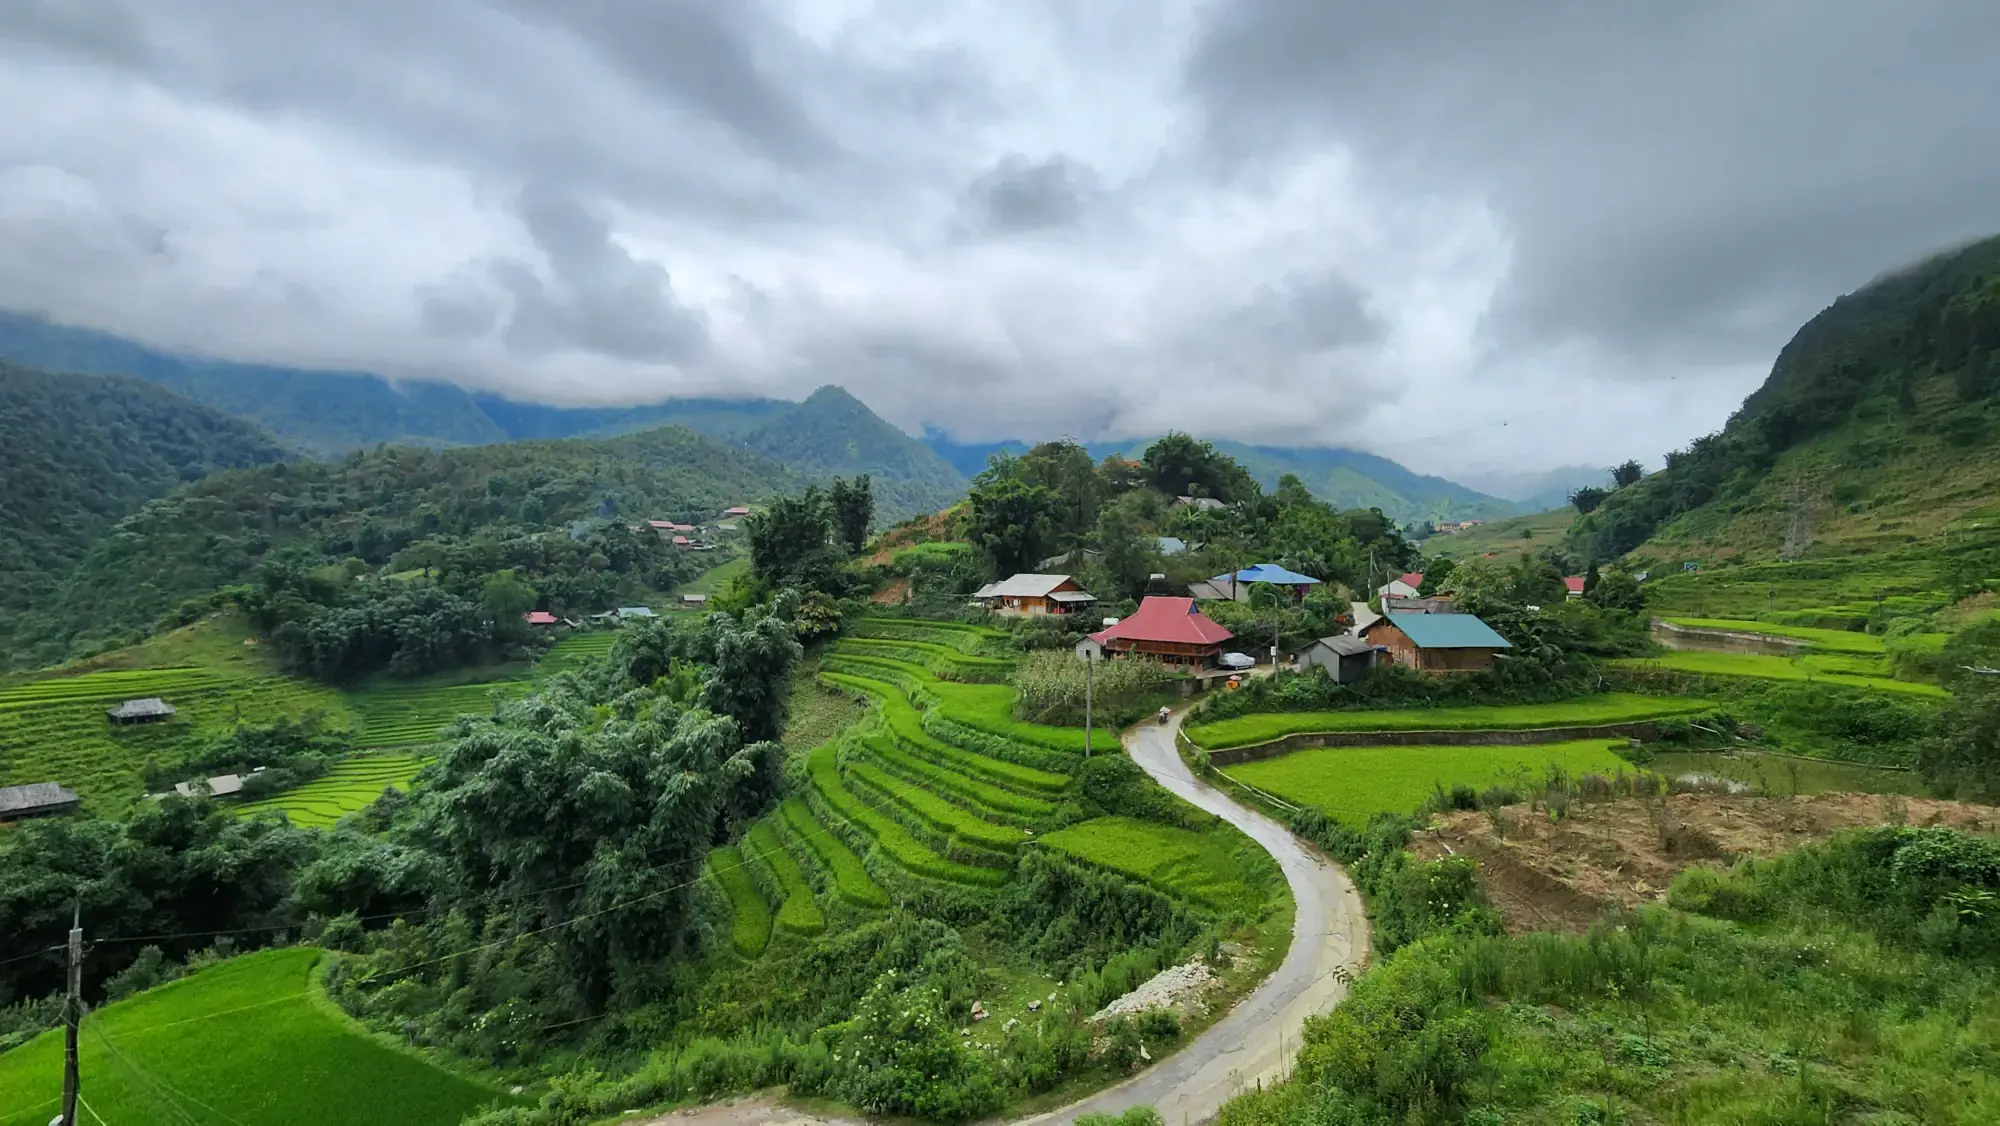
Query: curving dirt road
x=1255, y=1043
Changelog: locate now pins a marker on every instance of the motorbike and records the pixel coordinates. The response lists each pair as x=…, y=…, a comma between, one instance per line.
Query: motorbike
x=1164, y=713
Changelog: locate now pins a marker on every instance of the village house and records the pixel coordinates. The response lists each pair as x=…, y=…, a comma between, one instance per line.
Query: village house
x=1200, y=504
x=1436, y=643
x=736, y=511
x=1402, y=586
x=1235, y=586
x=1345, y=658
x=1034, y=594
x=634, y=613
x=152, y=709
x=36, y=799
x=1170, y=630
x=1573, y=585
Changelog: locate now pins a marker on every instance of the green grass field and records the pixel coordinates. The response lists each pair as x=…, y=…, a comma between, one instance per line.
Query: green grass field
x=962, y=788
x=1219, y=868
x=716, y=577
x=1830, y=670
x=55, y=729
x=906, y=724
x=1610, y=707
x=1352, y=784
x=798, y=913
x=349, y=786
x=575, y=649
x=245, y=1042
x=1507, y=538
x=749, y=914
x=895, y=842
x=1822, y=640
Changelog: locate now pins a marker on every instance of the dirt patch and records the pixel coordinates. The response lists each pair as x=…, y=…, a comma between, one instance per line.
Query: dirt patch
x=1183, y=988
x=894, y=591
x=751, y=1110
x=1613, y=855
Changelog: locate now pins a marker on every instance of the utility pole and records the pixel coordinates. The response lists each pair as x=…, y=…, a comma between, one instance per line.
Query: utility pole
x=1087, y=663
x=74, y=1015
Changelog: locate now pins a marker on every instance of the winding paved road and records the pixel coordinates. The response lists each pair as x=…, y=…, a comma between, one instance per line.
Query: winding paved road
x=1257, y=1040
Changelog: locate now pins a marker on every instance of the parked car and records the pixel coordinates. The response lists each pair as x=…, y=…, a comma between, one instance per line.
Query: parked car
x=1237, y=661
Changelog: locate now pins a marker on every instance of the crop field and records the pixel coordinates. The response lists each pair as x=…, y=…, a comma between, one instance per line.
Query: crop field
x=1610, y=707
x=896, y=842
x=798, y=913
x=55, y=729
x=1352, y=784
x=575, y=650
x=906, y=724
x=851, y=881
x=961, y=636
x=409, y=716
x=967, y=790
x=246, y=1041
x=1869, y=674
x=350, y=785
x=1822, y=640
x=940, y=815
x=749, y=915
x=910, y=649
x=1224, y=871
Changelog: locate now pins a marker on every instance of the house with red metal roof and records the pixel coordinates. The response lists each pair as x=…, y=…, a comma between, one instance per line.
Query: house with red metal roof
x=1574, y=585
x=540, y=618
x=1166, y=629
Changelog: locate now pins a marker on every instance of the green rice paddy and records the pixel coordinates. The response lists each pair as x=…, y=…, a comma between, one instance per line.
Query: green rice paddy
x=1854, y=672
x=1609, y=707
x=749, y=914
x=1222, y=870
x=247, y=1041
x=1352, y=784
x=395, y=715
x=349, y=786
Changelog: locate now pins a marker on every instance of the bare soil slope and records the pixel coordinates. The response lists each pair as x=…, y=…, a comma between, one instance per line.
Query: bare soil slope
x=1612, y=855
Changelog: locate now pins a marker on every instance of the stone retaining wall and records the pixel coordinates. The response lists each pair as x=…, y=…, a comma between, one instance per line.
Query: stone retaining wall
x=1708, y=639
x=1640, y=729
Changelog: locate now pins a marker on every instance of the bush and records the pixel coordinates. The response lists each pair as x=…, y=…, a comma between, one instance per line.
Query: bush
x=1050, y=687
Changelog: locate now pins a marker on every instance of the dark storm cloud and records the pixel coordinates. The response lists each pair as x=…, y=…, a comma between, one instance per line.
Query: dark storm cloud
x=1688, y=179
x=1019, y=195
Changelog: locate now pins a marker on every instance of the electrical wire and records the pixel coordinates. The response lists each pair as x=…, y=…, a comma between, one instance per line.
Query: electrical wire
x=96, y=1117
x=167, y=1089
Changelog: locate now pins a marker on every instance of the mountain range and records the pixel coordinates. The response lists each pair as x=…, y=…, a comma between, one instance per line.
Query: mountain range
x=330, y=413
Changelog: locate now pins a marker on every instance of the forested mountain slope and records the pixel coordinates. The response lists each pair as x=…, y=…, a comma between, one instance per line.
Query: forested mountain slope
x=369, y=506
x=834, y=434
x=77, y=454
x=1879, y=425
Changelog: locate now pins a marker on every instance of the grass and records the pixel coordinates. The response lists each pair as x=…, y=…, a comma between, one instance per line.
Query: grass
x=798, y=913
x=1353, y=784
x=1610, y=707
x=55, y=730
x=961, y=636
x=895, y=841
x=349, y=786
x=1784, y=774
x=1822, y=640
x=907, y=725
x=968, y=790
x=749, y=915
x=1505, y=538
x=716, y=577
x=851, y=881
x=1830, y=670
x=815, y=713
x=405, y=715
x=574, y=650
x=941, y=815
x=1218, y=868
x=990, y=708
x=912, y=649
x=253, y=1042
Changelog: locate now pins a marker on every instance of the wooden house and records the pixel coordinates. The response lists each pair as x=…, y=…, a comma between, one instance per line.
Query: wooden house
x=1436, y=643
x=1034, y=594
x=152, y=709
x=36, y=799
x=1166, y=629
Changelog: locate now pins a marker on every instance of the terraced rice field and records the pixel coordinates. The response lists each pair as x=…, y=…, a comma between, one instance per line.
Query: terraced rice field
x=749, y=914
x=349, y=786
x=1853, y=671
x=1352, y=784
x=410, y=716
x=56, y=730
x=798, y=913
x=1604, y=708
x=575, y=650
x=851, y=881
x=1225, y=872
x=1822, y=640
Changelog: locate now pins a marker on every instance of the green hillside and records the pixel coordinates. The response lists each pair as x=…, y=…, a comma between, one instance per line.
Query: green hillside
x=370, y=506
x=84, y=452
x=834, y=434
x=1509, y=537
x=1879, y=426
x=249, y=1040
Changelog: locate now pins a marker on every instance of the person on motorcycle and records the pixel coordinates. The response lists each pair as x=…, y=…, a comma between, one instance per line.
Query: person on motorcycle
x=1164, y=713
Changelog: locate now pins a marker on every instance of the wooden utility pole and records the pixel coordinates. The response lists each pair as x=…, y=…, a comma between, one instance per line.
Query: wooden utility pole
x=74, y=1014
x=1087, y=662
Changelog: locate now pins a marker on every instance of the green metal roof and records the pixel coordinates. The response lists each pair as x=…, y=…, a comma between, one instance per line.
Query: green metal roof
x=1448, y=631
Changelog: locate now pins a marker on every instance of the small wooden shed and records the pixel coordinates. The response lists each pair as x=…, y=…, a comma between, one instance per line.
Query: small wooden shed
x=152, y=709
x=36, y=799
x=1345, y=658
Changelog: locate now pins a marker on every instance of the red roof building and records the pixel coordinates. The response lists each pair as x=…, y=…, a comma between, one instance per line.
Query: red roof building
x=1413, y=579
x=669, y=526
x=682, y=541
x=540, y=618
x=1574, y=583
x=1167, y=629
x=739, y=510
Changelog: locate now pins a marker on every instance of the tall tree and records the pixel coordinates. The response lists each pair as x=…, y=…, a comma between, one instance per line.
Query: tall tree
x=1588, y=498
x=1010, y=522
x=1627, y=474
x=1181, y=462
x=853, y=504
x=791, y=536
x=1125, y=556
x=1065, y=469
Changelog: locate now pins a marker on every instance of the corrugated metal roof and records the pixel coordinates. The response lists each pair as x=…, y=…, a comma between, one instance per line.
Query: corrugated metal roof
x=1269, y=573
x=1448, y=631
x=1159, y=618
x=35, y=796
x=1347, y=645
x=1023, y=586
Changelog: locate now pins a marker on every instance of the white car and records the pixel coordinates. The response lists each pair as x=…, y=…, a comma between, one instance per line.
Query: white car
x=1237, y=661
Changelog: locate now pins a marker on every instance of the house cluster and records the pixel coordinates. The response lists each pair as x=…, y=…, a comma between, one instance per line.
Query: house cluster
x=1453, y=527
x=692, y=537
x=1426, y=633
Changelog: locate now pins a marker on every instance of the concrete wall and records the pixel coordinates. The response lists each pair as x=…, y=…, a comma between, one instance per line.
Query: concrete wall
x=1642, y=729
x=1723, y=640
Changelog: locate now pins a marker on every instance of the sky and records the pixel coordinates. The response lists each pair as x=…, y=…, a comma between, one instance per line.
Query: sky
x=1470, y=237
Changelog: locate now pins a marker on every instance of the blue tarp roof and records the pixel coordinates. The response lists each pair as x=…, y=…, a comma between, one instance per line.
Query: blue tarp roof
x=1448, y=631
x=1268, y=573
x=1172, y=545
